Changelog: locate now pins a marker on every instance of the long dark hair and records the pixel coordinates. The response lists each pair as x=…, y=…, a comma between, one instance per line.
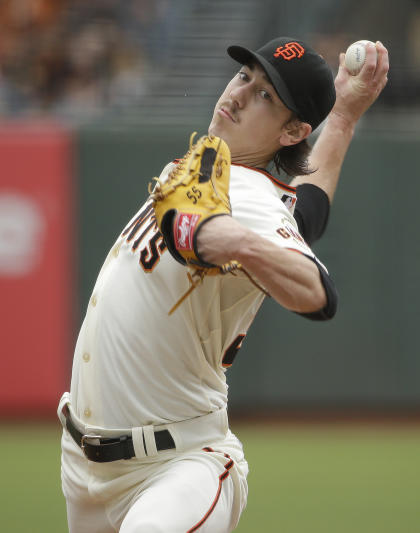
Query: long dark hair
x=293, y=160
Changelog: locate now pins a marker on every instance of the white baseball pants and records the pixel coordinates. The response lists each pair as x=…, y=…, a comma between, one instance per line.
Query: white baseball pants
x=200, y=490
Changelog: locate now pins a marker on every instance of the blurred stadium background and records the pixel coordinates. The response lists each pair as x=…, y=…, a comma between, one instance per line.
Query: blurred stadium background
x=95, y=97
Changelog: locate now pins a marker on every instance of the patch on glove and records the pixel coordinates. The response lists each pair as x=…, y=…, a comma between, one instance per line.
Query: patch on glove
x=184, y=228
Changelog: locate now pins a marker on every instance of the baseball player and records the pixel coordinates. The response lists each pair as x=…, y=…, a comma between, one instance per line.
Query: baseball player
x=146, y=444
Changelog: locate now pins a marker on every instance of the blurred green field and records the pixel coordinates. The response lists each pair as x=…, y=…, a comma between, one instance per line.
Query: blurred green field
x=329, y=479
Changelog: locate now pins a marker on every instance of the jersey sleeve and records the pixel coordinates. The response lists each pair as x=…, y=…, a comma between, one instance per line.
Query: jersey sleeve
x=311, y=211
x=257, y=205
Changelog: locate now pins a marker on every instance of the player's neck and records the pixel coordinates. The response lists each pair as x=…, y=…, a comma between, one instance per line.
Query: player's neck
x=253, y=161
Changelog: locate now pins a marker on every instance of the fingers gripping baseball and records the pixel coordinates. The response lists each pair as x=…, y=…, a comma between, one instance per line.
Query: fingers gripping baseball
x=356, y=93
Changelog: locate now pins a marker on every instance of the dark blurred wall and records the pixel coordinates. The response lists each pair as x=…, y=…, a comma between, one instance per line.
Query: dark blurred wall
x=369, y=355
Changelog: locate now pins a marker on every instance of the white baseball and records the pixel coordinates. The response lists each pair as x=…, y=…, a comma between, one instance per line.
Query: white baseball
x=355, y=56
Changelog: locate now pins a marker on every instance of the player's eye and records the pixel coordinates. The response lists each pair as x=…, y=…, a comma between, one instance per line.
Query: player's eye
x=265, y=95
x=243, y=75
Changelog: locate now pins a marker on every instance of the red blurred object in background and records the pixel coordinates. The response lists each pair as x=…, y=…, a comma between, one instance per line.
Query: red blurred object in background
x=36, y=267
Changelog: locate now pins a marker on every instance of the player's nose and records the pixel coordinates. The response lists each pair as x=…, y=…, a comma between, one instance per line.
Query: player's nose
x=239, y=96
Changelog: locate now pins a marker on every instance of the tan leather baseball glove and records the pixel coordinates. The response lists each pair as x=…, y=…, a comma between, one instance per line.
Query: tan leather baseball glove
x=196, y=191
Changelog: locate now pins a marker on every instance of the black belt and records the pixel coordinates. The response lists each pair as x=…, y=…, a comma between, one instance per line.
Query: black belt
x=115, y=448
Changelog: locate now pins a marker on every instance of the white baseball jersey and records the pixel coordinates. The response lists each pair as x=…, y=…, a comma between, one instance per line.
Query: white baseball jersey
x=135, y=365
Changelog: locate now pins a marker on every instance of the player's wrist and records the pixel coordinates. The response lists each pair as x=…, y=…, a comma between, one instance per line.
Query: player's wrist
x=341, y=121
x=217, y=240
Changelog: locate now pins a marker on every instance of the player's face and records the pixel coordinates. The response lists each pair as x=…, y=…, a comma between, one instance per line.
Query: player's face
x=250, y=117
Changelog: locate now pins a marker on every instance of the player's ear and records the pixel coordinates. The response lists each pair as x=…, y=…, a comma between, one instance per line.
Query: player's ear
x=294, y=131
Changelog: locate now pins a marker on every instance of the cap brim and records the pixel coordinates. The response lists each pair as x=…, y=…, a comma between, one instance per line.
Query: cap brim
x=245, y=56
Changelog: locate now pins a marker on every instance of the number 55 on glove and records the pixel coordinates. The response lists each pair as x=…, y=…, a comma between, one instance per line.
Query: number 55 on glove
x=196, y=191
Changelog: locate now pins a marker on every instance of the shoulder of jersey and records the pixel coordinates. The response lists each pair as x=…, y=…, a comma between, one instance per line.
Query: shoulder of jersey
x=260, y=182
x=256, y=178
x=237, y=169
x=257, y=173
x=263, y=177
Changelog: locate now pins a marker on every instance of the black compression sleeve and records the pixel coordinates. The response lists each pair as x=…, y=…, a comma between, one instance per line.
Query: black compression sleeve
x=311, y=212
x=332, y=297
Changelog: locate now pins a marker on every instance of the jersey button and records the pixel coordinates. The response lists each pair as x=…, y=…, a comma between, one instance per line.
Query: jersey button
x=86, y=357
x=94, y=300
x=87, y=412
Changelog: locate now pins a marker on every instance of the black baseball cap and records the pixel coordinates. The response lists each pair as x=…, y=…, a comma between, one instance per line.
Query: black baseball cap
x=301, y=77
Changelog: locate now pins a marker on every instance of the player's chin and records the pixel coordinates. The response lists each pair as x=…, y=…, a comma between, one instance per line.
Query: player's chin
x=214, y=128
x=219, y=130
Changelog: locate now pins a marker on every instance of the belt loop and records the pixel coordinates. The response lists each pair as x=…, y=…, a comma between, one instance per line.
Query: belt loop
x=65, y=399
x=149, y=439
x=138, y=442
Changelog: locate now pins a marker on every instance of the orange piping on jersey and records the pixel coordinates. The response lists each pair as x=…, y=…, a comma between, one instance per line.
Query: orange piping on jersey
x=222, y=477
x=276, y=182
x=294, y=250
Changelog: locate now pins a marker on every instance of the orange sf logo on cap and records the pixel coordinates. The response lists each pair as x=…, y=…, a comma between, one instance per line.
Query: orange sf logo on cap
x=290, y=51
